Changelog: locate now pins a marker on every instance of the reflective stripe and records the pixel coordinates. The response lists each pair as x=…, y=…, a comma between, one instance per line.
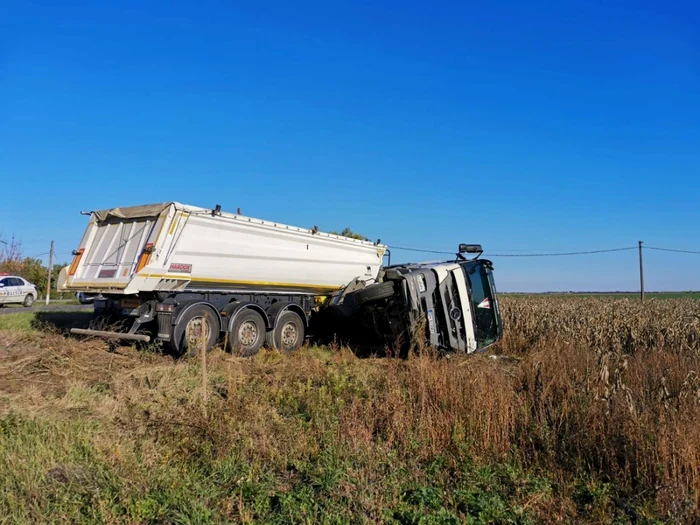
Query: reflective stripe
x=178, y=276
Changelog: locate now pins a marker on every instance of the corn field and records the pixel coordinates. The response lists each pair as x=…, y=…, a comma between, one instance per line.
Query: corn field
x=623, y=325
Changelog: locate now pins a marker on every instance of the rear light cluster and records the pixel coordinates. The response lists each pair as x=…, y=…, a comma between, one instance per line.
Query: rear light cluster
x=165, y=308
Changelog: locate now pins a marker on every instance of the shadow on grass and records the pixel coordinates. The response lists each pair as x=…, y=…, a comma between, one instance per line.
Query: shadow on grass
x=61, y=321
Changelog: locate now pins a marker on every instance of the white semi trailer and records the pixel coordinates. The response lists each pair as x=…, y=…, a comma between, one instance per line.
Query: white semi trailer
x=163, y=269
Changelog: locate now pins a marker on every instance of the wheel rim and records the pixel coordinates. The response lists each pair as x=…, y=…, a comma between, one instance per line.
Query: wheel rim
x=248, y=333
x=194, y=332
x=290, y=335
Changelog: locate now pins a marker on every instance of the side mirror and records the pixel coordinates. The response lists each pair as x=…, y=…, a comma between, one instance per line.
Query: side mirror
x=470, y=248
x=2, y=285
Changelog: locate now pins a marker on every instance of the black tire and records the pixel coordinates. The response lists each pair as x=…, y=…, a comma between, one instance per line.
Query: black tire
x=188, y=331
x=246, y=333
x=288, y=334
x=374, y=293
x=28, y=301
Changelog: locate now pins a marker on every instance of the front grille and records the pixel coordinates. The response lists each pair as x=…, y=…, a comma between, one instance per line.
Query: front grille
x=165, y=325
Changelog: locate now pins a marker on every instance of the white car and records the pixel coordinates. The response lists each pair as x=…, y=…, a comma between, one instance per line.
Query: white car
x=16, y=290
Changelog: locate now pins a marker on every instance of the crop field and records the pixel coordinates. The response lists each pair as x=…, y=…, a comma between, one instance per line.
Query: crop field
x=586, y=412
x=608, y=295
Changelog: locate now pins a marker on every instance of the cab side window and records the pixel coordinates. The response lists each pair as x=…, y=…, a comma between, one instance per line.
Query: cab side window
x=15, y=282
x=6, y=281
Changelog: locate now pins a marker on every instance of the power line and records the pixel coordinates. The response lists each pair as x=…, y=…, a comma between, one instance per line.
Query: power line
x=419, y=250
x=518, y=254
x=62, y=254
x=671, y=250
x=560, y=254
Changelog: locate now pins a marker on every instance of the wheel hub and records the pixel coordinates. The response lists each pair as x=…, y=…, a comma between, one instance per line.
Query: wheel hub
x=289, y=335
x=248, y=333
x=195, y=332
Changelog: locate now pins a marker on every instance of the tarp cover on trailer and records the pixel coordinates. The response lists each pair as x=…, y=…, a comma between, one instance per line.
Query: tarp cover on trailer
x=132, y=212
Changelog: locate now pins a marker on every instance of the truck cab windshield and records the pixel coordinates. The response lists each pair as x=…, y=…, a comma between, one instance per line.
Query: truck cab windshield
x=485, y=310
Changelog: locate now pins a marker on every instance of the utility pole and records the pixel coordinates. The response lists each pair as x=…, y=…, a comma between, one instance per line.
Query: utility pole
x=48, y=281
x=641, y=272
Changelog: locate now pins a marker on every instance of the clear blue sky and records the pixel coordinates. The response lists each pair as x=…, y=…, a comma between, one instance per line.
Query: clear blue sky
x=525, y=126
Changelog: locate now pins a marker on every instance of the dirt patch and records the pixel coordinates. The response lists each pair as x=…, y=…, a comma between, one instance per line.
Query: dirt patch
x=47, y=363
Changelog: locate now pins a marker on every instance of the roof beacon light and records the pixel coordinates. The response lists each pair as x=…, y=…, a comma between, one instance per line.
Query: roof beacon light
x=470, y=248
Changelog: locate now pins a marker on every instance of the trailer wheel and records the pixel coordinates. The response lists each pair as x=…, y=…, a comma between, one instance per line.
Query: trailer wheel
x=247, y=333
x=288, y=334
x=188, y=333
x=374, y=292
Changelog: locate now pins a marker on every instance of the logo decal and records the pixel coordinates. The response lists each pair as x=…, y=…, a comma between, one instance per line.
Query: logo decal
x=485, y=303
x=106, y=274
x=180, y=268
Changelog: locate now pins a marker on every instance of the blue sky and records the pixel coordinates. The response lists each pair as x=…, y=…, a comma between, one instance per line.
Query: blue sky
x=526, y=127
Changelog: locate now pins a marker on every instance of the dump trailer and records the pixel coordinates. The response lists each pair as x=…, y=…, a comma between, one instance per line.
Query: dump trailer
x=190, y=276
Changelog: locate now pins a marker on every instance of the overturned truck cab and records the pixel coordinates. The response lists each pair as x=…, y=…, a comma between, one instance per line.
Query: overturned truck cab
x=452, y=306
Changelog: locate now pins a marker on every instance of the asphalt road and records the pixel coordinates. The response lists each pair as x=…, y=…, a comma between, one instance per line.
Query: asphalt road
x=43, y=308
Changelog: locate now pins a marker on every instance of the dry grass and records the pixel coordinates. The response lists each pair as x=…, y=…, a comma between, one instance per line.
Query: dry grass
x=595, y=421
x=613, y=388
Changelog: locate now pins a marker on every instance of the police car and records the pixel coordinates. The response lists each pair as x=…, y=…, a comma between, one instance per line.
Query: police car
x=16, y=290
